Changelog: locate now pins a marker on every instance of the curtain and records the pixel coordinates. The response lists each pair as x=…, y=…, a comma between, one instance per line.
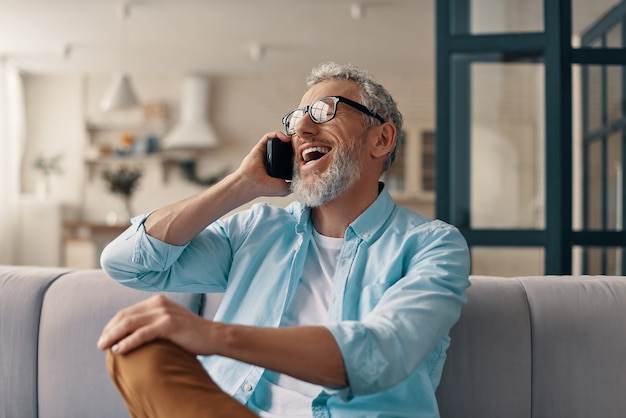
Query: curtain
x=12, y=139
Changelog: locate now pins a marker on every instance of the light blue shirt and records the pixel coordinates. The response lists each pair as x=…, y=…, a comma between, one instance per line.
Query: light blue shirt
x=398, y=289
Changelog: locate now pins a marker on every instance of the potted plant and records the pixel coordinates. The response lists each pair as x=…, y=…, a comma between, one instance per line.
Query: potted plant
x=47, y=167
x=122, y=182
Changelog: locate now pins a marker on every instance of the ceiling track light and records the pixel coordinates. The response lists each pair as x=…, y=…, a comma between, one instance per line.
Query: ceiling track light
x=257, y=51
x=66, y=51
x=357, y=11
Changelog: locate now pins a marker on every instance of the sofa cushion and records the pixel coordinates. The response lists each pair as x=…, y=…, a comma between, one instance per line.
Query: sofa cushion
x=72, y=379
x=21, y=291
x=488, y=369
x=579, y=346
x=539, y=347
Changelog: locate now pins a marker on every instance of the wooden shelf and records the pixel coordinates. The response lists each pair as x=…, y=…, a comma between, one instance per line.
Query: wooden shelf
x=96, y=163
x=106, y=139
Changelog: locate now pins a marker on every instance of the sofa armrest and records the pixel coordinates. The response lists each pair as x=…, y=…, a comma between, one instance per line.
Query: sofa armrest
x=22, y=290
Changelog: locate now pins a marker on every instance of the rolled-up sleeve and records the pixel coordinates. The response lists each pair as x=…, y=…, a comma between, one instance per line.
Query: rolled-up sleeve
x=409, y=325
x=140, y=261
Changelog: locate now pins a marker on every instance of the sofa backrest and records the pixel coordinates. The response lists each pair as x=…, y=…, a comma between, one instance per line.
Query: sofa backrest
x=539, y=347
x=524, y=347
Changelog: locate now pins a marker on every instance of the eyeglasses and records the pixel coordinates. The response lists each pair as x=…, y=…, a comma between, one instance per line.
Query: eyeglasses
x=323, y=110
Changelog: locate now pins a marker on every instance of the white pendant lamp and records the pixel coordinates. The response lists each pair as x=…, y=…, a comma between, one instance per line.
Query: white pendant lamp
x=120, y=95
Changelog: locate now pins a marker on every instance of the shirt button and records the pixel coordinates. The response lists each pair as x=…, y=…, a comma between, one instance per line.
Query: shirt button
x=247, y=387
x=366, y=235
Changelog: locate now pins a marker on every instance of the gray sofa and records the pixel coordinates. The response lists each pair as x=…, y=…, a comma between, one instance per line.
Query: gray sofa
x=541, y=347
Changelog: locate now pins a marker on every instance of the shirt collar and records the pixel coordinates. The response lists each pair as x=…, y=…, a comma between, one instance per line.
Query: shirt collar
x=366, y=225
x=302, y=214
x=370, y=221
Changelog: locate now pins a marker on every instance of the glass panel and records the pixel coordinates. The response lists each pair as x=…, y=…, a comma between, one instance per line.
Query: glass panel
x=614, y=36
x=599, y=260
x=602, y=124
x=507, y=145
x=594, y=185
x=502, y=16
x=614, y=182
x=594, y=97
x=594, y=260
x=614, y=96
x=507, y=261
x=586, y=17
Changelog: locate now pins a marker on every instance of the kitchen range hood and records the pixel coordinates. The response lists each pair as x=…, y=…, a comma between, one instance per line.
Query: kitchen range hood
x=193, y=131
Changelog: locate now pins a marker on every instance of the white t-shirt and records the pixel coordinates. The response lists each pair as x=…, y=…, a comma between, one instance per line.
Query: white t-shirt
x=278, y=395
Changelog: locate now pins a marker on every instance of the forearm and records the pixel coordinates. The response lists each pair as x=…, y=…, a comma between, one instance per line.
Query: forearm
x=179, y=222
x=144, y=256
x=307, y=353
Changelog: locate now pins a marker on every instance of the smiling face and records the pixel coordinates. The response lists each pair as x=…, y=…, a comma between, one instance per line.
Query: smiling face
x=328, y=155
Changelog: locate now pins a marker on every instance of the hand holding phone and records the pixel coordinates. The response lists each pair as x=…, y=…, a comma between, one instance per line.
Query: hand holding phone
x=279, y=159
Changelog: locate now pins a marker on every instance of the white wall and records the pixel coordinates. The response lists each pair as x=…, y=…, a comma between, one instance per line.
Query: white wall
x=54, y=115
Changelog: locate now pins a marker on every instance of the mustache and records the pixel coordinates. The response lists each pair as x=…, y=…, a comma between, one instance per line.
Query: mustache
x=301, y=141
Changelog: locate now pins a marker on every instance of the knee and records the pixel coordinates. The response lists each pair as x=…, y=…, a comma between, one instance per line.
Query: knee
x=140, y=367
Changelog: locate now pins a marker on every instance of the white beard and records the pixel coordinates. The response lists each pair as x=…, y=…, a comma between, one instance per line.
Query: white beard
x=317, y=189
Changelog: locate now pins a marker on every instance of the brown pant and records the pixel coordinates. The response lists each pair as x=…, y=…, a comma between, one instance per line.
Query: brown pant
x=160, y=379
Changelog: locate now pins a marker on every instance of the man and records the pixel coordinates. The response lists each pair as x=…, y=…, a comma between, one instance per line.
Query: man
x=338, y=305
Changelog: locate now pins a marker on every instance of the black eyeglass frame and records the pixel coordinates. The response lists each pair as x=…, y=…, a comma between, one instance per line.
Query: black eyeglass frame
x=336, y=99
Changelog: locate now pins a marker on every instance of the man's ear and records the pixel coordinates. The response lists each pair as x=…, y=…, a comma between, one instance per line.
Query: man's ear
x=385, y=138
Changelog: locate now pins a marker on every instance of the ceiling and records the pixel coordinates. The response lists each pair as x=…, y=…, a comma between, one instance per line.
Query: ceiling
x=214, y=36
x=227, y=36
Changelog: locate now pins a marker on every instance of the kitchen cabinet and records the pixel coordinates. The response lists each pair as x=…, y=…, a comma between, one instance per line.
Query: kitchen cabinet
x=411, y=178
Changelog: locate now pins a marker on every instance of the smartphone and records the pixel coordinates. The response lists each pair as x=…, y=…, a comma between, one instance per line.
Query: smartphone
x=279, y=159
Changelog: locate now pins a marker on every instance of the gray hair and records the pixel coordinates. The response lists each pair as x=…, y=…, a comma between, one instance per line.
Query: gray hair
x=373, y=96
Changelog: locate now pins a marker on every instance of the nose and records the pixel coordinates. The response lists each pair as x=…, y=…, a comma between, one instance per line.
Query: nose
x=305, y=127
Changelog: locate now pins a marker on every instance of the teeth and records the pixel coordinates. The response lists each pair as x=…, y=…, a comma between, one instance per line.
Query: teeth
x=314, y=153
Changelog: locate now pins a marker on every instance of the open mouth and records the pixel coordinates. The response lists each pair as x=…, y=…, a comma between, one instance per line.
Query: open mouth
x=314, y=153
